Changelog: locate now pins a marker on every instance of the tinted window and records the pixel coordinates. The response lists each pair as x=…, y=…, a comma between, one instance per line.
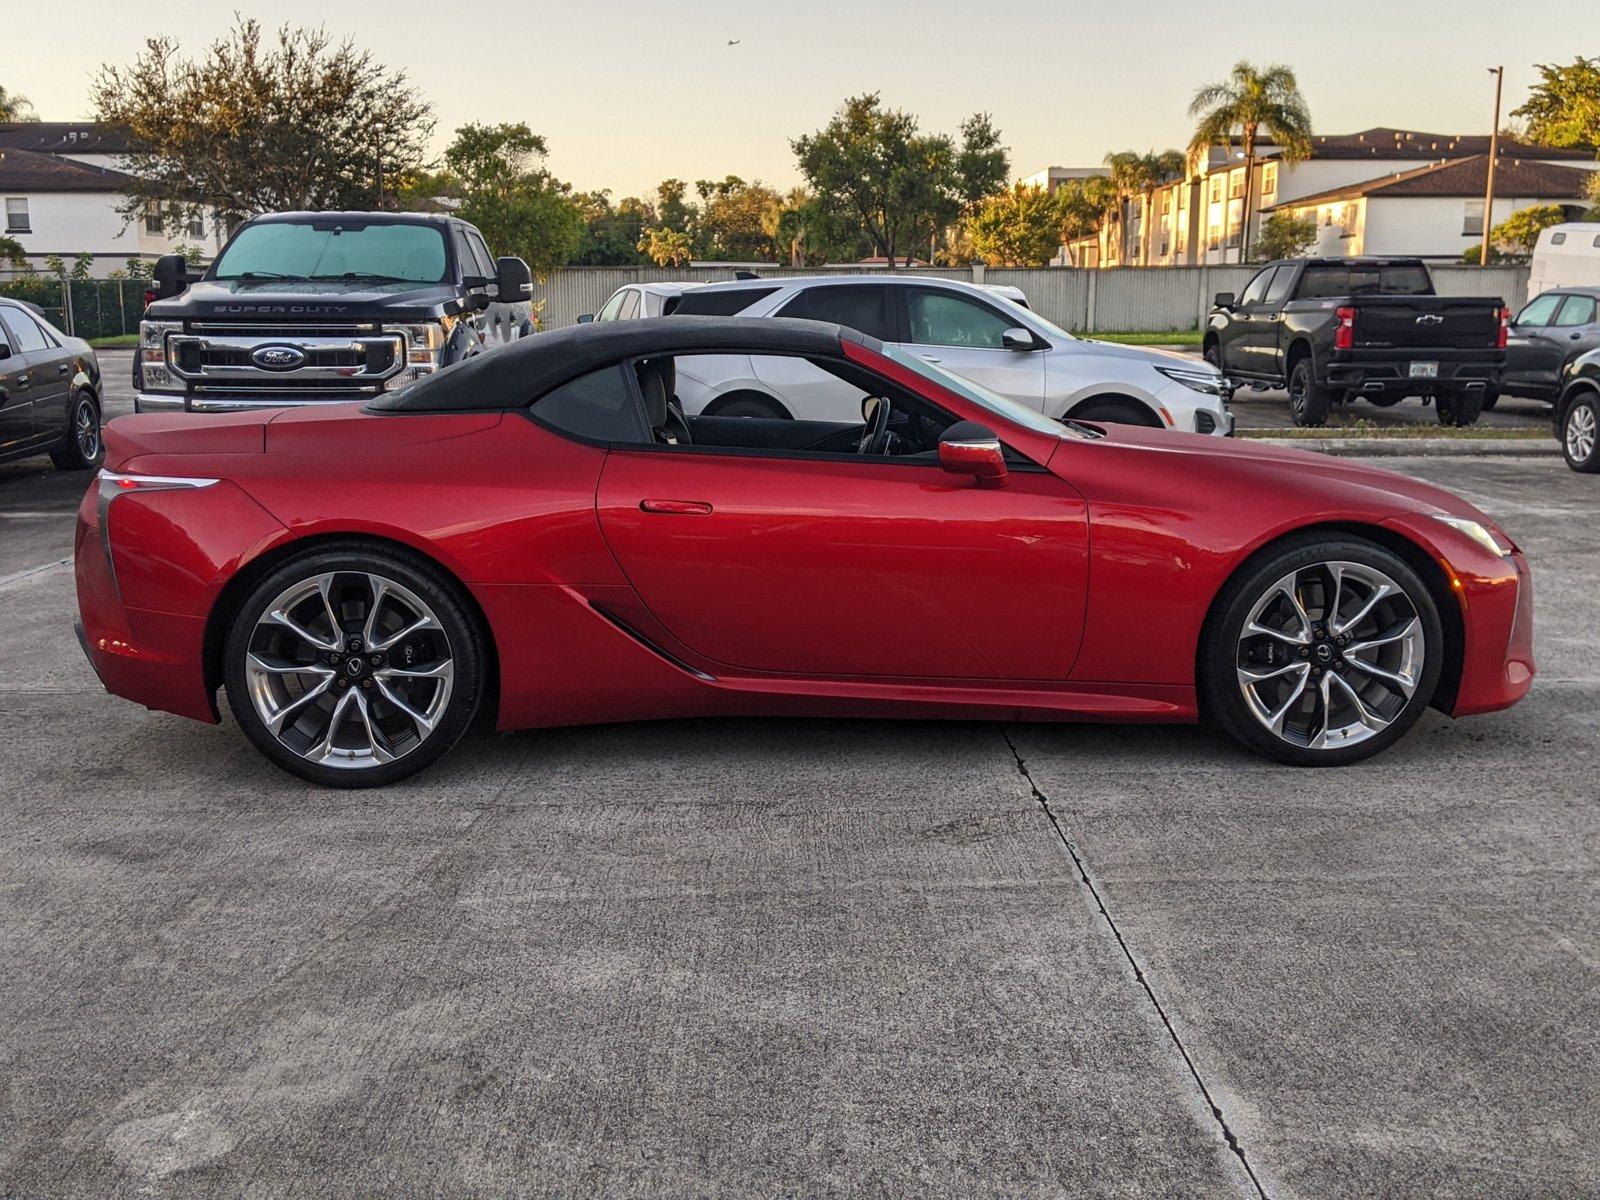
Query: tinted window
x=1278, y=289
x=720, y=304
x=945, y=319
x=1399, y=279
x=1578, y=310
x=1258, y=287
x=25, y=335
x=481, y=252
x=598, y=406
x=1539, y=311
x=330, y=249
x=864, y=309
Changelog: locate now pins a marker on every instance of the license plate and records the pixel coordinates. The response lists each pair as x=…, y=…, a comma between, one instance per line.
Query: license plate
x=1427, y=370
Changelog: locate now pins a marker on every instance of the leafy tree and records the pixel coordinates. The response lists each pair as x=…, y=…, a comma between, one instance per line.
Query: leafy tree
x=672, y=210
x=733, y=219
x=506, y=192
x=1016, y=228
x=82, y=265
x=1284, y=235
x=874, y=172
x=611, y=233
x=1134, y=174
x=15, y=107
x=1563, y=108
x=1519, y=232
x=11, y=251
x=1594, y=195
x=789, y=221
x=1252, y=100
x=251, y=126
x=666, y=247
x=1082, y=206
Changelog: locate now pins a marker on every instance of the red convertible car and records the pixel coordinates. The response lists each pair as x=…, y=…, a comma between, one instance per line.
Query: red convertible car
x=542, y=533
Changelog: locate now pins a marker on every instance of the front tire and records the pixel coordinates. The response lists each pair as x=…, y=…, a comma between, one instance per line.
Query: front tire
x=1580, y=434
x=1308, y=402
x=81, y=447
x=1321, y=652
x=1116, y=412
x=354, y=665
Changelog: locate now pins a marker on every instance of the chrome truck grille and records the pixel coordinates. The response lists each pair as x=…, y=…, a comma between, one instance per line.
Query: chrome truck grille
x=322, y=361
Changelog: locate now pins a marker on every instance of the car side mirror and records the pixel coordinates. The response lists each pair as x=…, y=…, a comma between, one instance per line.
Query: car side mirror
x=513, y=280
x=1017, y=339
x=5, y=350
x=1225, y=300
x=585, y=318
x=967, y=448
x=171, y=274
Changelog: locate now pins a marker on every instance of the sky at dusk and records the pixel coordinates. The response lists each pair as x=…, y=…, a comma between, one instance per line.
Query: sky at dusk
x=628, y=93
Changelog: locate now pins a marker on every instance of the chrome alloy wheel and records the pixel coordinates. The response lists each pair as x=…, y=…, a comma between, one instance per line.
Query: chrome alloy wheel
x=1330, y=655
x=349, y=669
x=86, y=430
x=1580, y=432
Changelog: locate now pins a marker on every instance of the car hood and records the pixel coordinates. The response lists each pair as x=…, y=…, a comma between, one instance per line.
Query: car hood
x=1147, y=355
x=1321, y=478
x=278, y=300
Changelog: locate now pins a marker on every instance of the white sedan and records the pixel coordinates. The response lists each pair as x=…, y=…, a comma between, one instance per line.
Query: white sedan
x=974, y=331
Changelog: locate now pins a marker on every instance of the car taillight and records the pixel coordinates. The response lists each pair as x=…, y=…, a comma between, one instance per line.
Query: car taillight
x=1344, y=334
x=1505, y=328
x=149, y=297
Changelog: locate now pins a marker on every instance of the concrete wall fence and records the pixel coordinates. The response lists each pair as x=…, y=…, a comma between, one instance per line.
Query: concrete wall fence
x=1116, y=300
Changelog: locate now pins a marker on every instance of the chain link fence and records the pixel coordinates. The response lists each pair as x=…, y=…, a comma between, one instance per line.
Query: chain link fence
x=85, y=308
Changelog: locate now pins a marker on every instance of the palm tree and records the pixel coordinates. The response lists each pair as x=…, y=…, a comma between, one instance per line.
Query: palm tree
x=1251, y=100
x=15, y=107
x=1129, y=177
x=666, y=247
x=1158, y=168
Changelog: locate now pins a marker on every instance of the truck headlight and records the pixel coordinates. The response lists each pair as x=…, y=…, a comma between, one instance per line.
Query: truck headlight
x=154, y=363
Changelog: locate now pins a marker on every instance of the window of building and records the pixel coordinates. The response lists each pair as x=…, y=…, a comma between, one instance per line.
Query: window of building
x=1235, y=184
x=1214, y=237
x=152, y=219
x=1235, y=222
x=1269, y=179
x=197, y=227
x=17, y=215
x=1216, y=188
x=1472, y=219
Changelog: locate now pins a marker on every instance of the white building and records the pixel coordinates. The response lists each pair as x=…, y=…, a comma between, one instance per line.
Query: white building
x=61, y=195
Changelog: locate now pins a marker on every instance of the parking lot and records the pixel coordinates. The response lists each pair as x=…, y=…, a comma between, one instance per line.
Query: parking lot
x=834, y=957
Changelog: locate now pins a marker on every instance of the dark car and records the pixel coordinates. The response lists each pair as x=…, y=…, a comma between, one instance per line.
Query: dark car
x=1551, y=333
x=313, y=307
x=49, y=392
x=1577, y=415
x=1332, y=329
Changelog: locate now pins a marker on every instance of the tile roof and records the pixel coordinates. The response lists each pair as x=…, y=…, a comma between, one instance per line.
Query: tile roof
x=28, y=171
x=1384, y=142
x=1516, y=178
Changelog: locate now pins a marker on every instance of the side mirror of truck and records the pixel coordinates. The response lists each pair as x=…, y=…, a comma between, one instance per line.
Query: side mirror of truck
x=513, y=280
x=1224, y=299
x=171, y=275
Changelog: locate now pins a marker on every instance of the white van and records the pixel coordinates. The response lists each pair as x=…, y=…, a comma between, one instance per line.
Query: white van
x=1565, y=256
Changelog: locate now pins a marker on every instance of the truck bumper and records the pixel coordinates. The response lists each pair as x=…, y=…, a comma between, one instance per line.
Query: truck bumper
x=1392, y=376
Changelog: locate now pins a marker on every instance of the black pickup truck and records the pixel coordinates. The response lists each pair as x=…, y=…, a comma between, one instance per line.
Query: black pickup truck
x=310, y=307
x=1332, y=329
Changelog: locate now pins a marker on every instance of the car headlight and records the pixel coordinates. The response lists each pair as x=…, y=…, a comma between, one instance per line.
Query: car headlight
x=1208, y=382
x=155, y=376
x=424, y=343
x=1490, y=538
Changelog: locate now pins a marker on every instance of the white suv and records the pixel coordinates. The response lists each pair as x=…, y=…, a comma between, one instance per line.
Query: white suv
x=972, y=330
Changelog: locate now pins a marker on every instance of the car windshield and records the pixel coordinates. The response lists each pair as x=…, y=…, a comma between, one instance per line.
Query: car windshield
x=299, y=250
x=1010, y=410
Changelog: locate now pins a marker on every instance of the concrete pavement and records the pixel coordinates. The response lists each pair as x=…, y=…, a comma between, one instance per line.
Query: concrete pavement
x=846, y=957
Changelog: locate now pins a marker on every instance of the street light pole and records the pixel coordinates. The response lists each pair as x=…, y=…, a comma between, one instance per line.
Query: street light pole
x=1499, y=74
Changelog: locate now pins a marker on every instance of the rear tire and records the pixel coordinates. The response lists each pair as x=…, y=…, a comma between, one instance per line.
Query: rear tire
x=1308, y=402
x=373, y=670
x=1458, y=409
x=1274, y=674
x=1213, y=354
x=81, y=447
x=1580, y=434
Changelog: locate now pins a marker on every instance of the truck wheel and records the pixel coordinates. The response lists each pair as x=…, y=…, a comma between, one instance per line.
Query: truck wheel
x=1213, y=354
x=1458, y=408
x=1580, y=434
x=1308, y=403
x=1490, y=399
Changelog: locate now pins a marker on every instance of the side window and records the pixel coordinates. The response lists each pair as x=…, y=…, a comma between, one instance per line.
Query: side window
x=1278, y=289
x=939, y=318
x=630, y=306
x=485, y=259
x=864, y=309
x=25, y=335
x=1539, y=311
x=1257, y=287
x=1578, y=310
x=598, y=406
x=697, y=303
x=613, y=305
x=466, y=261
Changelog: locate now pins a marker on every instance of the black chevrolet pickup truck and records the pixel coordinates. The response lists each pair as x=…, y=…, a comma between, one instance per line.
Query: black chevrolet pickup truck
x=1332, y=329
x=313, y=307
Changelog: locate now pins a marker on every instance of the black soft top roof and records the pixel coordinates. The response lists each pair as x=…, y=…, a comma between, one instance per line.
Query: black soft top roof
x=511, y=376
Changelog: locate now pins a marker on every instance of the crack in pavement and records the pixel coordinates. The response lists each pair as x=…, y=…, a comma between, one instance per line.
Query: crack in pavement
x=1228, y=1135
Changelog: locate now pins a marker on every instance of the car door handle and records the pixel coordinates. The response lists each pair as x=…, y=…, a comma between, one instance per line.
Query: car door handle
x=22, y=382
x=63, y=368
x=929, y=358
x=1574, y=336
x=678, y=508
